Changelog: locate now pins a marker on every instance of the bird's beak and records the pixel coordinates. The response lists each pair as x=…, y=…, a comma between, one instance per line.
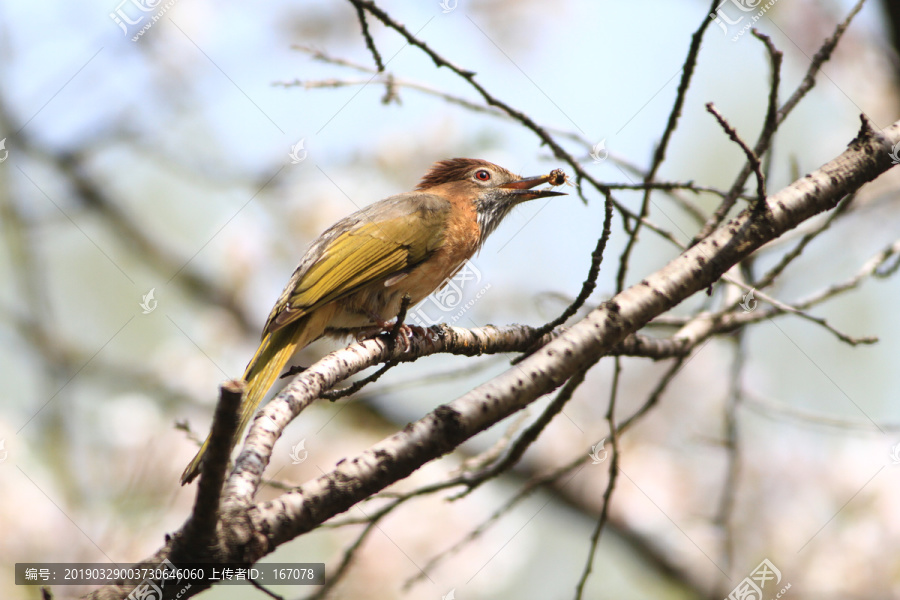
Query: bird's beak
x=522, y=188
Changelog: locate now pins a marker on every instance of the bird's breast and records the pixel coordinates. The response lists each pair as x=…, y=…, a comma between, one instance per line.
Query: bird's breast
x=460, y=241
x=384, y=298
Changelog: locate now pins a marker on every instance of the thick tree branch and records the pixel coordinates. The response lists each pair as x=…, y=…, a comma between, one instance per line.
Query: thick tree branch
x=694, y=270
x=249, y=531
x=201, y=527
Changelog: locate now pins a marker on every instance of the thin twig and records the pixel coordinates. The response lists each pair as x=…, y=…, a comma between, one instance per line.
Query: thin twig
x=370, y=43
x=430, y=378
x=590, y=282
x=765, y=138
x=334, y=395
x=870, y=268
x=732, y=448
x=558, y=151
x=752, y=158
x=371, y=522
x=523, y=493
x=784, y=307
x=393, y=335
x=611, y=484
x=524, y=441
x=769, y=277
x=264, y=589
x=766, y=407
x=770, y=123
x=656, y=394
x=687, y=72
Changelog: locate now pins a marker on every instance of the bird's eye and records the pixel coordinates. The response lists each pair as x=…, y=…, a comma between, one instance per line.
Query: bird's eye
x=482, y=175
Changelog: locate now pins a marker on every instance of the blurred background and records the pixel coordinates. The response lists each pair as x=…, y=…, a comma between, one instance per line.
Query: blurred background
x=162, y=178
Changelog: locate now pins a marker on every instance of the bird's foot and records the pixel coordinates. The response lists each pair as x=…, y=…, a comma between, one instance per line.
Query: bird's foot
x=393, y=333
x=408, y=332
x=398, y=330
x=401, y=333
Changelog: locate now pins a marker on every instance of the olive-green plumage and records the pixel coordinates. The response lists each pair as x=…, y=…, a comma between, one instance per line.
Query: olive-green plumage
x=353, y=278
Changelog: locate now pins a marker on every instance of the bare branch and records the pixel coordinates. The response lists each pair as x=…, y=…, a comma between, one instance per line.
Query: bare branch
x=752, y=158
x=765, y=137
x=611, y=483
x=592, y=337
x=687, y=71
x=201, y=527
x=370, y=43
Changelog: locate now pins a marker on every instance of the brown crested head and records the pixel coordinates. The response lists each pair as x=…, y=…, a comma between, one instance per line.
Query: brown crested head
x=493, y=189
x=457, y=169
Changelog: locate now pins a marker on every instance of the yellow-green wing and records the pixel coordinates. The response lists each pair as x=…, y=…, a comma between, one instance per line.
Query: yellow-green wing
x=371, y=248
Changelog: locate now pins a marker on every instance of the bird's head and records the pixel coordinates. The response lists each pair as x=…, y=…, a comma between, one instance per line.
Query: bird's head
x=492, y=189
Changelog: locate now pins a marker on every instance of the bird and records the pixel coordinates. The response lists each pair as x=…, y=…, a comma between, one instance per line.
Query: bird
x=354, y=277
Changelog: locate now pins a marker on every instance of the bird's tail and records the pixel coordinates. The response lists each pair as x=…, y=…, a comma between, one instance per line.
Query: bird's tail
x=273, y=353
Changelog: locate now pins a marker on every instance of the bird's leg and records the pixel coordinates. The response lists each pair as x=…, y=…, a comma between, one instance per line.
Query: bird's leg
x=410, y=330
x=401, y=330
x=398, y=330
x=381, y=327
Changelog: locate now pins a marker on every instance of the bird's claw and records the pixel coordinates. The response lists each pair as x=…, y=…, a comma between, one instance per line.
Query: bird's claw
x=403, y=335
